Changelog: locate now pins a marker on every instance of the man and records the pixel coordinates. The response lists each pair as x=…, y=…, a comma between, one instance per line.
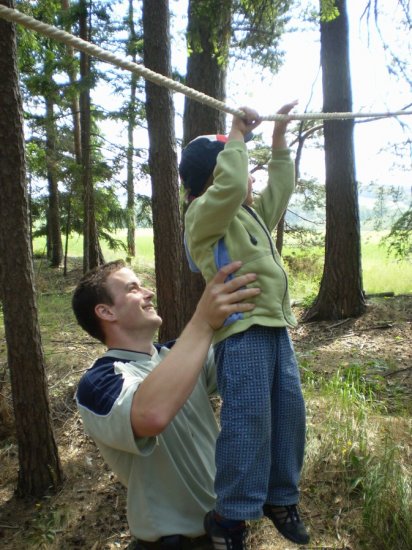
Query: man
x=147, y=406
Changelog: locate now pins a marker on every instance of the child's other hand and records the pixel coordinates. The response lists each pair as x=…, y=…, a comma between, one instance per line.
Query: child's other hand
x=279, y=129
x=280, y=125
x=285, y=109
x=241, y=126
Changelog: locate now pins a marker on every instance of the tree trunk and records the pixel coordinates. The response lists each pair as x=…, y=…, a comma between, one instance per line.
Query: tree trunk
x=91, y=249
x=131, y=124
x=39, y=465
x=341, y=294
x=167, y=228
x=280, y=229
x=54, y=233
x=131, y=202
x=77, y=144
x=208, y=36
x=74, y=96
x=208, y=33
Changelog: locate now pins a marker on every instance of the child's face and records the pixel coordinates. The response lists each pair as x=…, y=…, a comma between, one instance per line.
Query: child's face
x=249, y=197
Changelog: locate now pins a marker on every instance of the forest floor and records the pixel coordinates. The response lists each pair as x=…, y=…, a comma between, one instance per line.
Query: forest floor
x=89, y=510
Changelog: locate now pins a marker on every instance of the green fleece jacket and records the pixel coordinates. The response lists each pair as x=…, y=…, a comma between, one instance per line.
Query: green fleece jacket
x=219, y=229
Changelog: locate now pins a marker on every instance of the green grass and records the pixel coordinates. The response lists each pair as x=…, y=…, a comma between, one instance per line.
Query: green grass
x=381, y=273
x=144, y=247
x=304, y=267
x=361, y=454
x=387, y=489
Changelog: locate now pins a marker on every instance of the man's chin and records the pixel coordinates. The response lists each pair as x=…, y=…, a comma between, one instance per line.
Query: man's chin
x=154, y=315
x=158, y=320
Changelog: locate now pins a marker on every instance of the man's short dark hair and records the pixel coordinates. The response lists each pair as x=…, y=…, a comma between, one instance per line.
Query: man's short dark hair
x=90, y=291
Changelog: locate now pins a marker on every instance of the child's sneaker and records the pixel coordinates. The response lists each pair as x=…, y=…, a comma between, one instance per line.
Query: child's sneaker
x=223, y=538
x=287, y=521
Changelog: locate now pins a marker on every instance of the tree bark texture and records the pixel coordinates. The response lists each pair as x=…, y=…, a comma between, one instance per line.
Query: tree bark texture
x=77, y=144
x=341, y=293
x=208, y=39
x=131, y=125
x=74, y=96
x=91, y=248
x=54, y=232
x=167, y=228
x=131, y=201
x=39, y=466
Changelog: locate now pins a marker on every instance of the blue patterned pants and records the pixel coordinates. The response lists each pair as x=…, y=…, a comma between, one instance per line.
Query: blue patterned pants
x=259, y=452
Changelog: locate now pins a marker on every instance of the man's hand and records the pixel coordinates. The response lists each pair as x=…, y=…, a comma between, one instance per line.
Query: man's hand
x=165, y=390
x=220, y=299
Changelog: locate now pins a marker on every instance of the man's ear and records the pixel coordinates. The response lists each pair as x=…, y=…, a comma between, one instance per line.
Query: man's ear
x=104, y=312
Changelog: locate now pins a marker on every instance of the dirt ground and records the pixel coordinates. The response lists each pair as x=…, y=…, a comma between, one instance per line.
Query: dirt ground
x=89, y=511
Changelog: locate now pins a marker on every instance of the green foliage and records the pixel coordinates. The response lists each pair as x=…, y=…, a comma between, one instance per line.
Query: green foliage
x=260, y=155
x=307, y=260
x=45, y=68
x=353, y=386
x=399, y=240
x=387, y=492
x=306, y=211
x=110, y=215
x=309, y=299
x=389, y=201
x=144, y=211
x=310, y=195
x=370, y=470
x=36, y=158
x=209, y=19
x=256, y=30
x=303, y=256
x=45, y=526
x=303, y=260
x=328, y=11
x=382, y=273
x=344, y=427
x=34, y=48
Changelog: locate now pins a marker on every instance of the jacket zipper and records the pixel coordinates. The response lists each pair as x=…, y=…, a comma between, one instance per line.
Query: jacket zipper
x=254, y=216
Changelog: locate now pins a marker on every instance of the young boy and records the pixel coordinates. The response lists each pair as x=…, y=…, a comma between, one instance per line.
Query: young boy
x=259, y=452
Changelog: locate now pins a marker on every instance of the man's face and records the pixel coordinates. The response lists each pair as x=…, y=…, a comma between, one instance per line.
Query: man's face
x=132, y=304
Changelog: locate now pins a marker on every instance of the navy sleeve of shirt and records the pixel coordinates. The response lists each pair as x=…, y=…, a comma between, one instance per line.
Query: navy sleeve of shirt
x=100, y=386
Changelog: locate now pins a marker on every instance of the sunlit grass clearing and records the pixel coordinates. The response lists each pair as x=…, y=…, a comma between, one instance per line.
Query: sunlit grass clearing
x=381, y=273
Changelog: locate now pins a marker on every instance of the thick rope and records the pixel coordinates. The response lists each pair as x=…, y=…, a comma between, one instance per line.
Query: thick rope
x=59, y=35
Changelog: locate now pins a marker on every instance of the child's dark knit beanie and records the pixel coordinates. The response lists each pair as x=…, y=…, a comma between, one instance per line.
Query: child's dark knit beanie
x=199, y=160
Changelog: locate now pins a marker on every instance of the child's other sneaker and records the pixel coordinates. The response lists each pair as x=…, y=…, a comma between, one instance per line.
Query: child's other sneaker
x=225, y=538
x=287, y=521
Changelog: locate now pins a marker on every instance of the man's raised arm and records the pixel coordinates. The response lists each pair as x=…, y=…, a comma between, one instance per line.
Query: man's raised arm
x=165, y=390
